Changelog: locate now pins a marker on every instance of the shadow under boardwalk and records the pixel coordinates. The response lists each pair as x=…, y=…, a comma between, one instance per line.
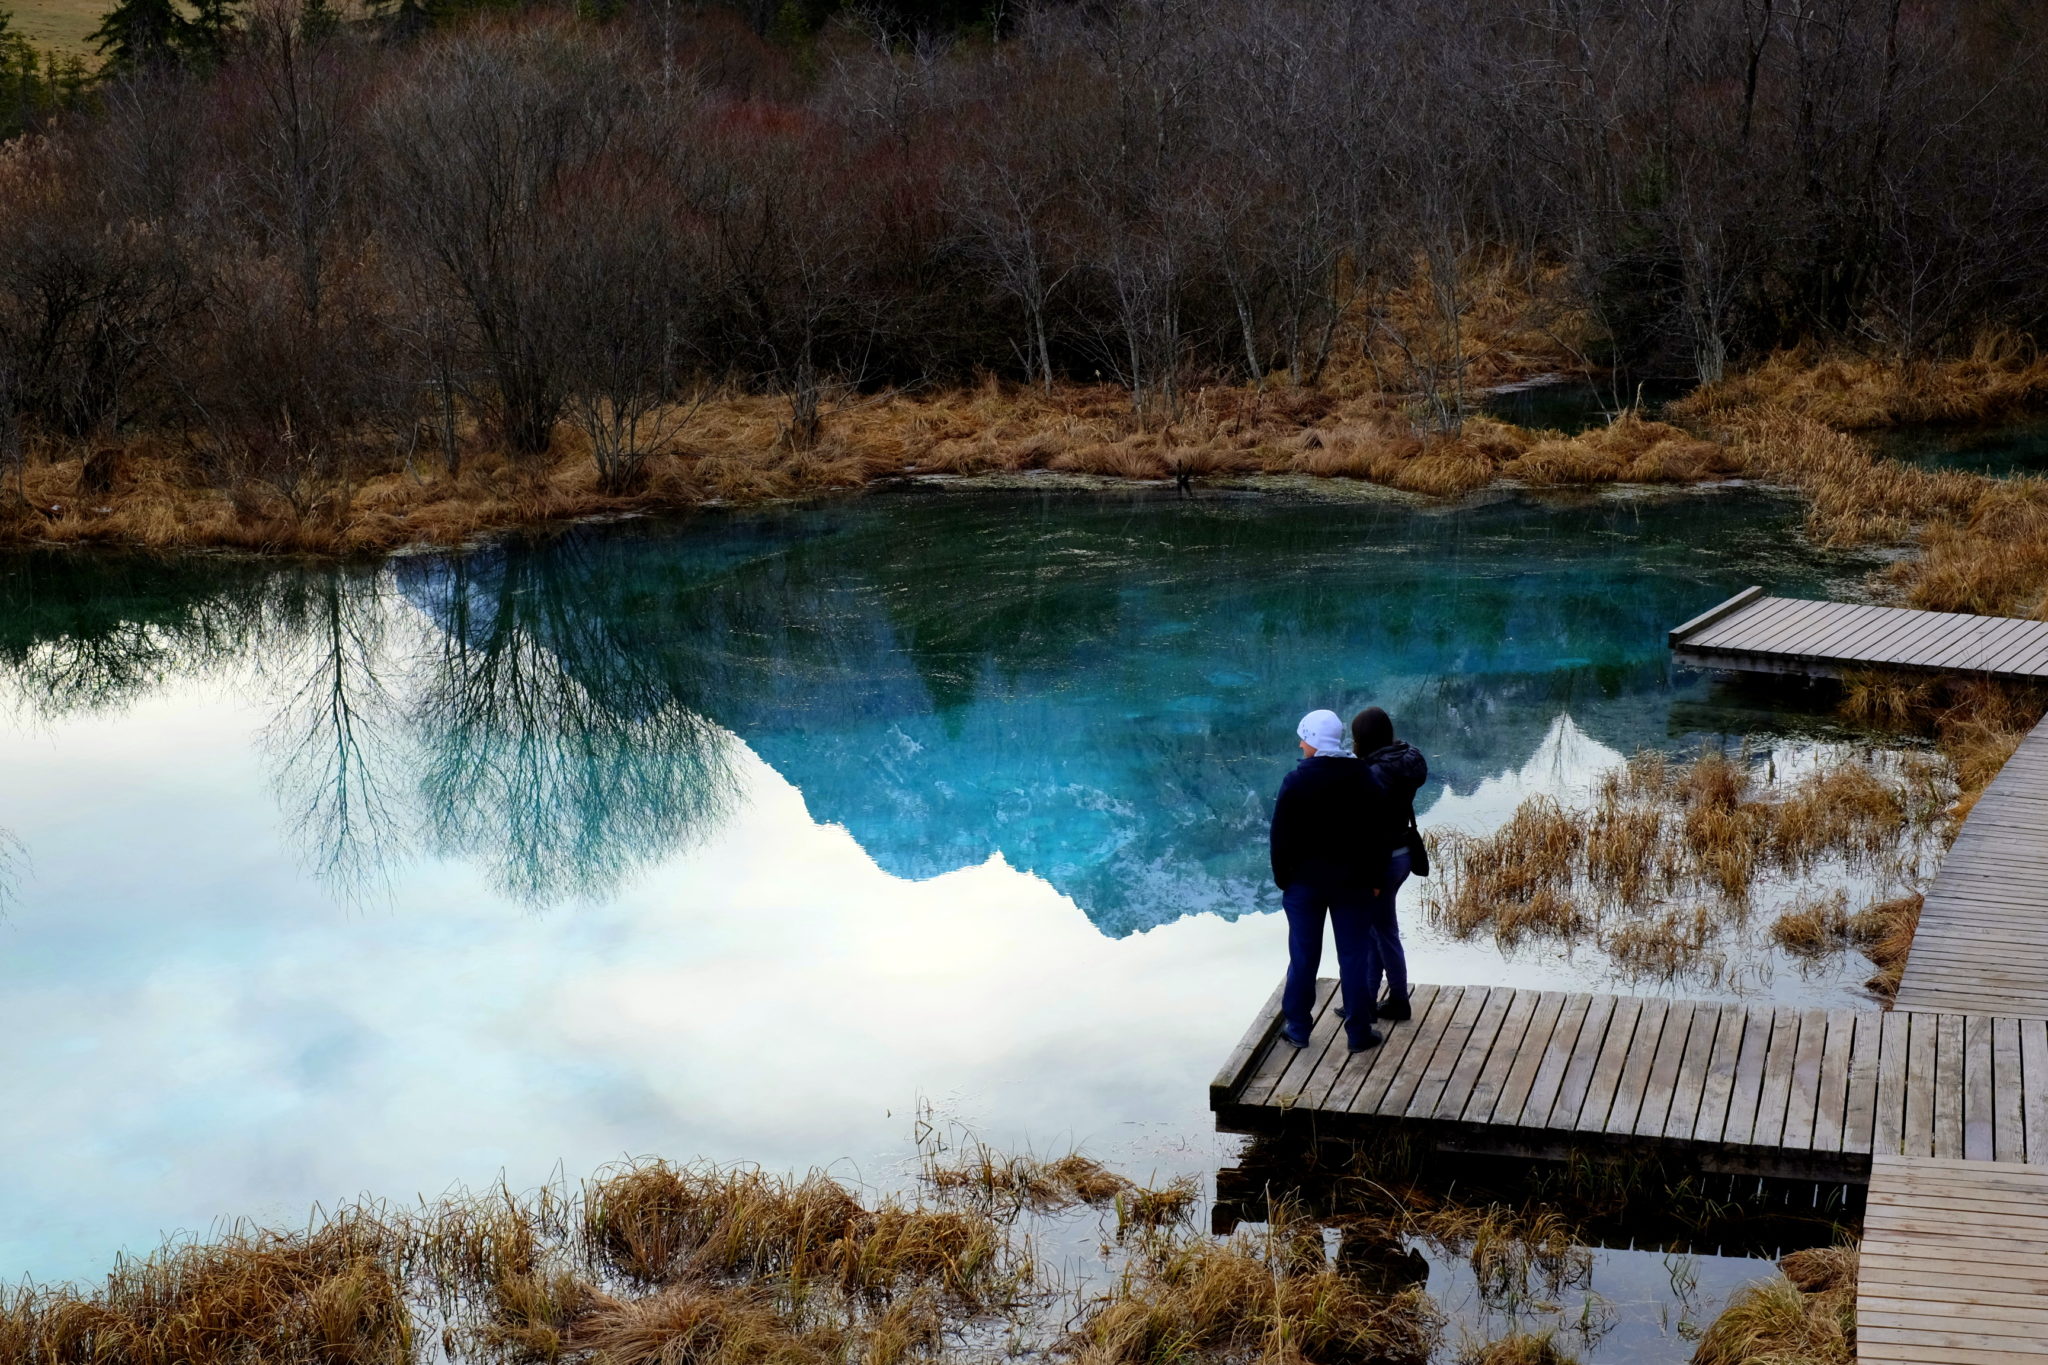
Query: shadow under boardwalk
x=1756, y=1089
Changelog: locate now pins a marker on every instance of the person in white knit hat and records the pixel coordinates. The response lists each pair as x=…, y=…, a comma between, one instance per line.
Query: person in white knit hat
x=1324, y=872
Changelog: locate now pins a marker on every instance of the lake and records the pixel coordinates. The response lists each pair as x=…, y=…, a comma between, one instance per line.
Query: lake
x=766, y=835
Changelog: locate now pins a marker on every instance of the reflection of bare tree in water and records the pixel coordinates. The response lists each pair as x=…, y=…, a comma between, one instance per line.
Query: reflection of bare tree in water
x=83, y=632
x=514, y=721
x=554, y=750
x=334, y=724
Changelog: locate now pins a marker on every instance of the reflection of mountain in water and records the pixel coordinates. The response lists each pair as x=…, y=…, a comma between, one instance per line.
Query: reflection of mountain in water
x=1104, y=694
x=1102, y=691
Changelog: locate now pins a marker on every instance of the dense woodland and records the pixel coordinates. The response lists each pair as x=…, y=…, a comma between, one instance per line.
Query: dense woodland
x=284, y=236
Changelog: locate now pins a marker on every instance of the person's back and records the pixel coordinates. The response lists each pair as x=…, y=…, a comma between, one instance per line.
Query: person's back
x=1317, y=819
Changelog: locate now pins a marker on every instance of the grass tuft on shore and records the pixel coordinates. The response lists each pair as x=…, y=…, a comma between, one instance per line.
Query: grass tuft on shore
x=1805, y=1315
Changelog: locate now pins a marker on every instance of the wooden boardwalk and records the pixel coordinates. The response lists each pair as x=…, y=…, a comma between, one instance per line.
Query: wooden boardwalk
x=1762, y=1089
x=1954, y=1264
x=1940, y=1104
x=1756, y=633
x=1982, y=944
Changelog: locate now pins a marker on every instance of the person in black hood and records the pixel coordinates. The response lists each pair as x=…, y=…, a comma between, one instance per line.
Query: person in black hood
x=1396, y=771
x=1324, y=869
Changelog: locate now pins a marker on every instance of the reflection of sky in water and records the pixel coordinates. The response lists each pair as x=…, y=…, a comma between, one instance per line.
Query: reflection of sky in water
x=739, y=840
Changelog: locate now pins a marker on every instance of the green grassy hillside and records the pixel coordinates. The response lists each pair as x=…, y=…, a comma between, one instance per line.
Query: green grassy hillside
x=60, y=24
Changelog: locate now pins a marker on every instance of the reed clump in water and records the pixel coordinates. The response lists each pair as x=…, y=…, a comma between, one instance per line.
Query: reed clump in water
x=1519, y=1348
x=1665, y=856
x=1266, y=1296
x=1805, y=1315
x=998, y=1181
x=652, y=1263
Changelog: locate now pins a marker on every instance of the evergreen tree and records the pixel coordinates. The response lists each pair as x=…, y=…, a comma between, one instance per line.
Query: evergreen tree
x=319, y=20
x=139, y=34
x=210, y=31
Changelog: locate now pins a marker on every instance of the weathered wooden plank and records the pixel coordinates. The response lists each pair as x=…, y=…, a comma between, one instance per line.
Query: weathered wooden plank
x=1568, y=1109
x=1479, y=1049
x=1513, y=1029
x=1778, y=1063
x=2008, y=1089
x=1802, y=1096
x=1450, y=1048
x=1736, y=1115
x=1608, y=1067
x=1690, y=1085
x=1831, y=1086
x=1663, y=1081
x=1428, y=1033
x=1922, y=1084
x=1860, y=1104
x=1737, y=1025
x=1550, y=1073
x=1264, y=1026
x=1721, y=612
x=1287, y=1088
x=1389, y=1057
x=1888, y=1122
x=1746, y=623
x=2034, y=1082
x=1948, y=1085
x=1979, y=1140
x=1514, y=1090
x=1634, y=1080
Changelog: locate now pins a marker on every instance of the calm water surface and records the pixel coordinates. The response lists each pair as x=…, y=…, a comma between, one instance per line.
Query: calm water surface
x=747, y=837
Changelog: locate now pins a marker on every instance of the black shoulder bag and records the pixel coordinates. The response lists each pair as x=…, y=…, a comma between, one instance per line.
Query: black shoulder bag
x=1418, y=852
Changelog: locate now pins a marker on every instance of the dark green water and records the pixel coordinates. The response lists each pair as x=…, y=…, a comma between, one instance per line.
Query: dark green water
x=2012, y=449
x=744, y=836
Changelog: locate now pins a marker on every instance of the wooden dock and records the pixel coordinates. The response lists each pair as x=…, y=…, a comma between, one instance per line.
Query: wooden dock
x=1758, y=1089
x=1755, y=633
x=1939, y=1105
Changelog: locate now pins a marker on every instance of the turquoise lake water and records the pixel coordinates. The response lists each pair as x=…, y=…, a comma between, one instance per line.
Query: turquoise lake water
x=757, y=835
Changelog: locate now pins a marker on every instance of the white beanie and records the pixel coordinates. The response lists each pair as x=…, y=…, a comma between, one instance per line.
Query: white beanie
x=1323, y=732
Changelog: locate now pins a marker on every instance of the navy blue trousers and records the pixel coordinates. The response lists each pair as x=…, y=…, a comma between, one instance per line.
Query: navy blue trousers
x=1350, y=916
x=1386, y=931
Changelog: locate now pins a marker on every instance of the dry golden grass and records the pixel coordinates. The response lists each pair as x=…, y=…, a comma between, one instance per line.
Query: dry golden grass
x=1886, y=932
x=1664, y=861
x=656, y=1264
x=1267, y=1297
x=2003, y=375
x=1519, y=1348
x=1806, y=1315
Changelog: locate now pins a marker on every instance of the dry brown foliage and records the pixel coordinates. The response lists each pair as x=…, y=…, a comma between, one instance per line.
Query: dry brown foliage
x=2001, y=376
x=1519, y=1348
x=1667, y=854
x=1806, y=1315
x=1263, y=1297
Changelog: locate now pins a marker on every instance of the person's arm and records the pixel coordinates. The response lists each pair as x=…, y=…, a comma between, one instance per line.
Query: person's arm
x=1285, y=833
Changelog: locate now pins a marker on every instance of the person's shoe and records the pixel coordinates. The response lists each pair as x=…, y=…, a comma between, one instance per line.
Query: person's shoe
x=1291, y=1038
x=1396, y=1009
x=1370, y=1041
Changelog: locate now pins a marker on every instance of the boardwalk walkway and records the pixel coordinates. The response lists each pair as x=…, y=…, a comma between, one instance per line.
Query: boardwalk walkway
x=1763, y=634
x=1982, y=944
x=1940, y=1104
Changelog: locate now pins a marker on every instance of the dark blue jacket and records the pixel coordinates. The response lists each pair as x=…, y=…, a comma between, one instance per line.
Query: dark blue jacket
x=1398, y=770
x=1323, y=825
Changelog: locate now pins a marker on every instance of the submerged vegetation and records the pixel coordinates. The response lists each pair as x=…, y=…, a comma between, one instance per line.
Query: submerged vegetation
x=1666, y=860
x=651, y=1263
